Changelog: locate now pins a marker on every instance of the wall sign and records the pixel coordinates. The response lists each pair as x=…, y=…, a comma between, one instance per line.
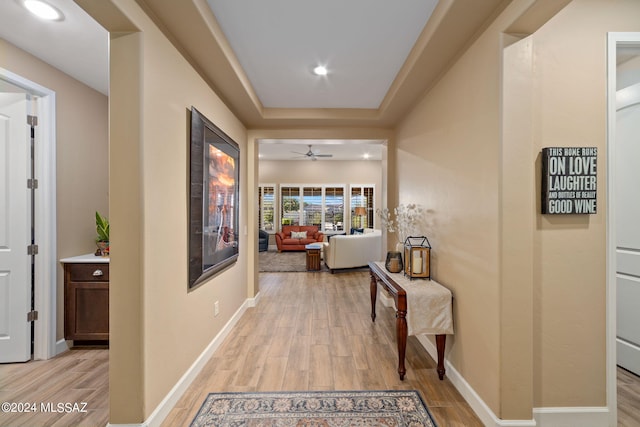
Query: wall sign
x=569, y=180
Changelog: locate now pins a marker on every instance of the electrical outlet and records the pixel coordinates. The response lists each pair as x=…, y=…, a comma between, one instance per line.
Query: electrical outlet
x=216, y=308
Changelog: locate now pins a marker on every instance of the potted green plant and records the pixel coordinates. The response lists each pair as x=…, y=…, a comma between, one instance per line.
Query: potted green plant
x=102, y=241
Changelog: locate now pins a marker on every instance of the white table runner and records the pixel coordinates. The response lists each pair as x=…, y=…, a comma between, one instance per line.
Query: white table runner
x=429, y=305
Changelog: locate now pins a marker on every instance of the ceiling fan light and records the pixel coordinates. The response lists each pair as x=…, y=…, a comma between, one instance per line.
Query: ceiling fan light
x=43, y=10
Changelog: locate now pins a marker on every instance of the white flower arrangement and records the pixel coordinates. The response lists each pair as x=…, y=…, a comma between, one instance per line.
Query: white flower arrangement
x=406, y=222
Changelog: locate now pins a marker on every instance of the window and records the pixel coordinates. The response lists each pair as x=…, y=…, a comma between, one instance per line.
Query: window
x=362, y=197
x=266, y=207
x=322, y=206
x=290, y=208
x=334, y=209
x=312, y=206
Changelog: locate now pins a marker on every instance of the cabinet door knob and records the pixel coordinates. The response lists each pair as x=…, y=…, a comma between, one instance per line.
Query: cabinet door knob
x=98, y=273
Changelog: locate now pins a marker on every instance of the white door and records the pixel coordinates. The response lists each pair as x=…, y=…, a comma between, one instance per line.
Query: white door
x=628, y=231
x=15, y=229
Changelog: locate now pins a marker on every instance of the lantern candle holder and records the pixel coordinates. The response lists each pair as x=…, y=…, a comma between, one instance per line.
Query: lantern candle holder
x=417, y=257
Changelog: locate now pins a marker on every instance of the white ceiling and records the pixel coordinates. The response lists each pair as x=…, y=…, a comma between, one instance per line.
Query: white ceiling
x=76, y=45
x=381, y=56
x=362, y=43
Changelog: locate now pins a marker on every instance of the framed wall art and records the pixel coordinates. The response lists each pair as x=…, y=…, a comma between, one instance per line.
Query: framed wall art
x=213, y=200
x=569, y=180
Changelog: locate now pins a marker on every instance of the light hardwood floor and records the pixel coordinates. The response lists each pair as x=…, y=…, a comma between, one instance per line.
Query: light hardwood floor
x=628, y=399
x=313, y=331
x=310, y=331
x=75, y=377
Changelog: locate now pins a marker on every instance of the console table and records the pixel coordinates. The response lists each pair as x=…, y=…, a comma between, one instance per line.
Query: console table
x=431, y=310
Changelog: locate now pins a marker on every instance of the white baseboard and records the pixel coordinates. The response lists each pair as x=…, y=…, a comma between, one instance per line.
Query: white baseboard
x=572, y=416
x=627, y=355
x=252, y=302
x=61, y=346
x=542, y=417
x=481, y=409
x=166, y=405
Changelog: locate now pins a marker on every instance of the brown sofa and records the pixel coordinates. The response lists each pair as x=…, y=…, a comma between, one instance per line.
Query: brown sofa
x=286, y=243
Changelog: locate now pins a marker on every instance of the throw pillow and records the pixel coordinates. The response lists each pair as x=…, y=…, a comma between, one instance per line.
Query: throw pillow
x=298, y=234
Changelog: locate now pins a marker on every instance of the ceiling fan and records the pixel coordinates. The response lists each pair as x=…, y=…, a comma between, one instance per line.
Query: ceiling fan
x=311, y=155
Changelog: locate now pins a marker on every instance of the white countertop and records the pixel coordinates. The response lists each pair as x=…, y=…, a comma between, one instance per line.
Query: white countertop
x=86, y=259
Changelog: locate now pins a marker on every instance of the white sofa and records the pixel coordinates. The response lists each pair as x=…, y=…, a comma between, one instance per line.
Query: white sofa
x=355, y=250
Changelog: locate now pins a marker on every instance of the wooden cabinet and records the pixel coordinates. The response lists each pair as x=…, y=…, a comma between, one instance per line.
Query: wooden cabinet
x=86, y=301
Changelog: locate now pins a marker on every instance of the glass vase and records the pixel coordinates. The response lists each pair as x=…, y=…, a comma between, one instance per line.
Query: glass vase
x=393, y=264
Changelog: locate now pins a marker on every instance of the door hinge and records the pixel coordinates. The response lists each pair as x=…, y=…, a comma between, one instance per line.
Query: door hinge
x=32, y=120
x=32, y=184
x=32, y=250
x=32, y=316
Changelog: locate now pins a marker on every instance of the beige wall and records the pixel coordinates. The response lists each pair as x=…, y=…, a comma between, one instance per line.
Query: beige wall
x=158, y=327
x=82, y=169
x=478, y=160
x=321, y=172
x=448, y=161
x=570, y=294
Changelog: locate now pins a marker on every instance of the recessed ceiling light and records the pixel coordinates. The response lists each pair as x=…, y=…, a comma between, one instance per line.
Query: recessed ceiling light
x=43, y=10
x=320, y=70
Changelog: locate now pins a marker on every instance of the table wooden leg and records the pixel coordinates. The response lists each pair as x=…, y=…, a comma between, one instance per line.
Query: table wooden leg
x=440, y=343
x=401, y=332
x=373, y=288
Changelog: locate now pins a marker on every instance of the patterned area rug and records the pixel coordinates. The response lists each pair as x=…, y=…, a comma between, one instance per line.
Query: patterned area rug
x=273, y=261
x=391, y=408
